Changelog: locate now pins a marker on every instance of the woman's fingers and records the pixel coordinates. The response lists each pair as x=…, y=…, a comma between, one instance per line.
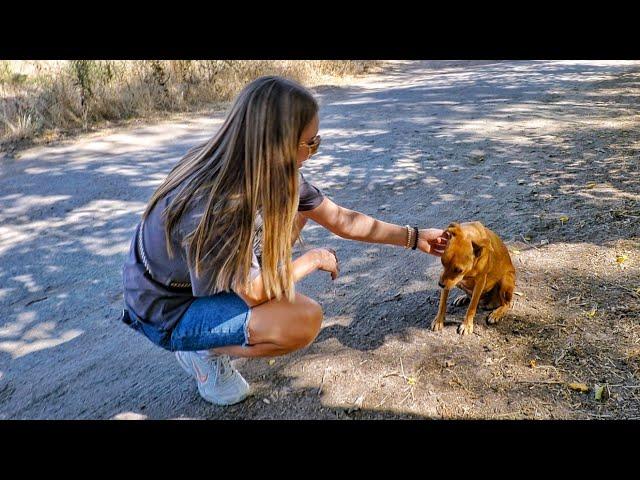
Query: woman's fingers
x=335, y=273
x=436, y=250
x=332, y=264
x=433, y=241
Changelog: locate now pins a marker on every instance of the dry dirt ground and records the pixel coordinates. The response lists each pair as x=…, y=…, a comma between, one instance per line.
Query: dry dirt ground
x=544, y=153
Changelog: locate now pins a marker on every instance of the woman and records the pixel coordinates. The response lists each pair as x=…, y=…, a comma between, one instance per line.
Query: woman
x=192, y=280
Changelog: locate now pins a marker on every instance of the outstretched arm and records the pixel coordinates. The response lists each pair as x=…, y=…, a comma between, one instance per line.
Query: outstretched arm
x=354, y=225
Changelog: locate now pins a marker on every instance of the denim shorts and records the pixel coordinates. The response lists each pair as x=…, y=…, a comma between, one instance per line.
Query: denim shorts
x=216, y=321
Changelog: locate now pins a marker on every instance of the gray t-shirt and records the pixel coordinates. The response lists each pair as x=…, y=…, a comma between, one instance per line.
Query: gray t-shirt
x=150, y=298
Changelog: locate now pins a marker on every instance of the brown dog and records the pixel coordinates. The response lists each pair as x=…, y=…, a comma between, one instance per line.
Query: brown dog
x=477, y=262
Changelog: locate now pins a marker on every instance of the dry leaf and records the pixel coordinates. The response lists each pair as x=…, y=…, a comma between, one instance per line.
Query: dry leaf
x=579, y=387
x=532, y=364
x=515, y=252
x=590, y=185
x=411, y=381
x=518, y=293
x=272, y=361
x=591, y=313
x=621, y=258
x=528, y=239
x=599, y=392
x=564, y=219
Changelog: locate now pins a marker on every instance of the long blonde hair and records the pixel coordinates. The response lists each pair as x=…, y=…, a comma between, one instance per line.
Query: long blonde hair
x=248, y=165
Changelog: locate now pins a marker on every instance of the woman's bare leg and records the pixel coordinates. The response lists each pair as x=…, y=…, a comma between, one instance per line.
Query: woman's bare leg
x=278, y=327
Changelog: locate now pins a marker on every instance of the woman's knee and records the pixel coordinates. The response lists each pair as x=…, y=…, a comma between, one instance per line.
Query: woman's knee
x=314, y=315
x=308, y=320
x=292, y=325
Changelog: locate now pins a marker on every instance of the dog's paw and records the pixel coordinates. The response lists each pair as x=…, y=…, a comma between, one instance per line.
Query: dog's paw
x=436, y=325
x=461, y=300
x=493, y=317
x=465, y=328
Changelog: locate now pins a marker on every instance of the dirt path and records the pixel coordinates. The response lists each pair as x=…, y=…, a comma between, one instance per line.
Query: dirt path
x=545, y=153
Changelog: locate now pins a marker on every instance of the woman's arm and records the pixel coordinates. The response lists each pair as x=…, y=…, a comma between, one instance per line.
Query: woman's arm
x=354, y=225
x=317, y=259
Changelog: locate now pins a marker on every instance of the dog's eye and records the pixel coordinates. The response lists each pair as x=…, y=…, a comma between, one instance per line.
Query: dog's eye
x=457, y=270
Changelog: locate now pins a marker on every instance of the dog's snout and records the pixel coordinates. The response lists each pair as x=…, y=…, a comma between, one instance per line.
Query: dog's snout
x=441, y=285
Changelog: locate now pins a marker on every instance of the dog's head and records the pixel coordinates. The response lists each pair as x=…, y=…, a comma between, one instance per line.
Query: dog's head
x=462, y=254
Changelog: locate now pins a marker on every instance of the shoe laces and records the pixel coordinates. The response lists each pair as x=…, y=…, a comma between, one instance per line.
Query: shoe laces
x=225, y=369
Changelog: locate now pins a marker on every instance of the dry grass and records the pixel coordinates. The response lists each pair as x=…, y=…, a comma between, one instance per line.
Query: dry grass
x=44, y=99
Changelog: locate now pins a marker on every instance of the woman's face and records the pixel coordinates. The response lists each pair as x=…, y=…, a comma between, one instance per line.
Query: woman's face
x=307, y=137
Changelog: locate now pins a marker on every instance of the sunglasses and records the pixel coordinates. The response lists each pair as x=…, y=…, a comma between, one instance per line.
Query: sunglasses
x=312, y=145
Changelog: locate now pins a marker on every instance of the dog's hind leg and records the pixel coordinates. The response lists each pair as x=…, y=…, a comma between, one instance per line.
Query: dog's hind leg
x=491, y=300
x=464, y=299
x=461, y=300
x=507, y=285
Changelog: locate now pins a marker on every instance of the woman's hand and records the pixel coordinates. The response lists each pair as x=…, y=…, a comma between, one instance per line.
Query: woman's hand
x=432, y=240
x=315, y=259
x=327, y=260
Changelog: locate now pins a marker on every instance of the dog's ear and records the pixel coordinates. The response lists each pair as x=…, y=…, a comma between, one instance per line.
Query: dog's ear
x=454, y=229
x=480, y=246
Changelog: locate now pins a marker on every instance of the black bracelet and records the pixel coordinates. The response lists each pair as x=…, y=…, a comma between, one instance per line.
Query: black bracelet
x=415, y=242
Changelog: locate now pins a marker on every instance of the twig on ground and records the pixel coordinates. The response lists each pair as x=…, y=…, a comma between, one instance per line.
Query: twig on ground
x=322, y=381
x=551, y=382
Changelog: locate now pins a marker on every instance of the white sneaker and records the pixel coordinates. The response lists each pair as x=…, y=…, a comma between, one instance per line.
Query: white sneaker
x=218, y=381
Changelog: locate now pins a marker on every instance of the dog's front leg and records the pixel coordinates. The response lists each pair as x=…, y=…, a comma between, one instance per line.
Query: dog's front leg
x=438, y=322
x=466, y=327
